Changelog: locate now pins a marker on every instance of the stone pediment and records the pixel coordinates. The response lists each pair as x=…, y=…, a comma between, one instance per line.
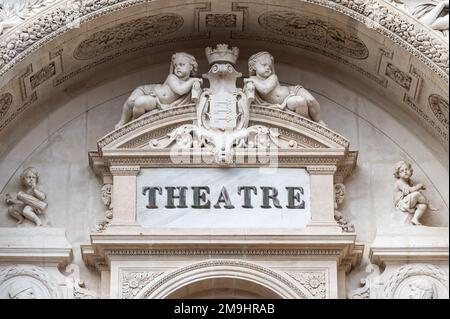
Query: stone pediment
x=301, y=142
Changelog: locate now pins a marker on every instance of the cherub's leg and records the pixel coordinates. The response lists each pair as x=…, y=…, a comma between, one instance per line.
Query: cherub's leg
x=142, y=105
x=14, y=213
x=420, y=210
x=127, y=109
x=30, y=214
x=298, y=105
x=313, y=106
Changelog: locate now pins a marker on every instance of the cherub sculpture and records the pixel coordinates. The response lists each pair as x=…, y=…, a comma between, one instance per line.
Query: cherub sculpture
x=270, y=92
x=408, y=197
x=29, y=203
x=434, y=14
x=174, y=91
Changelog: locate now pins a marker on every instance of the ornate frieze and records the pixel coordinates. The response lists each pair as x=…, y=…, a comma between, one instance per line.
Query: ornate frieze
x=142, y=29
x=303, y=28
x=400, y=77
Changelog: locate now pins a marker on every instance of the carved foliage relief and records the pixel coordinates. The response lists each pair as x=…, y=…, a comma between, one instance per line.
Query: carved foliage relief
x=123, y=34
x=316, y=31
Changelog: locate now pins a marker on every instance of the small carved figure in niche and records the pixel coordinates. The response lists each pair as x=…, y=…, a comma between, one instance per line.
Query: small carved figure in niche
x=422, y=289
x=435, y=15
x=271, y=92
x=174, y=91
x=21, y=290
x=408, y=198
x=30, y=203
x=339, y=195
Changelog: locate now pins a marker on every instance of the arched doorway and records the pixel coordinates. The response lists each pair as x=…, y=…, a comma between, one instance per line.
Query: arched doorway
x=223, y=288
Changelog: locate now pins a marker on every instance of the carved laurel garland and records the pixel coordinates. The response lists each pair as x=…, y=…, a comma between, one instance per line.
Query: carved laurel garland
x=230, y=263
x=34, y=272
x=413, y=270
x=134, y=282
x=313, y=281
x=28, y=37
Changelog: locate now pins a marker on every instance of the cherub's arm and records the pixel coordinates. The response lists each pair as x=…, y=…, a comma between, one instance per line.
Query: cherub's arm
x=11, y=201
x=178, y=86
x=39, y=193
x=265, y=86
x=403, y=187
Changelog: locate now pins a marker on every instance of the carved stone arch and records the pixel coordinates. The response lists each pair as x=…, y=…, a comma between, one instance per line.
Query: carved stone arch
x=224, y=268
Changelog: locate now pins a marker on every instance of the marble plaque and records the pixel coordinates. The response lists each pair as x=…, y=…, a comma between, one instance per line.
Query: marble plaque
x=226, y=208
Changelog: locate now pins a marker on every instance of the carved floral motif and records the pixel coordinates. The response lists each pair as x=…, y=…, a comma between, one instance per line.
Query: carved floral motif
x=303, y=28
x=133, y=282
x=314, y=282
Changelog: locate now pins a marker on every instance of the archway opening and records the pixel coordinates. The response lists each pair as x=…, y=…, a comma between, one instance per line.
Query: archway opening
x=223, y=288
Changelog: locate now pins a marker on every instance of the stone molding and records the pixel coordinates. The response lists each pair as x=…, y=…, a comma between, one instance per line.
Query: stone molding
x=271, y=279
x=35, y=245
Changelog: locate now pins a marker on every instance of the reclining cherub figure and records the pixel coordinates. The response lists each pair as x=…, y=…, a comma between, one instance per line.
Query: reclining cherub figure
x=270, y=92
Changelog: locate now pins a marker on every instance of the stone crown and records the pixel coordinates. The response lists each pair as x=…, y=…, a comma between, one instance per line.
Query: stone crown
x=222, y=54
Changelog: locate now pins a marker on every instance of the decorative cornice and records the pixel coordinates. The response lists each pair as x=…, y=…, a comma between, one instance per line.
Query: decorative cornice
x=124, y=170
x=321, y=169
x=221, y=252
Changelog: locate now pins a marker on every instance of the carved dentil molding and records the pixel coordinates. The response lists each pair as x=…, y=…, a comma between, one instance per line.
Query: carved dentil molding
x=29, y=36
